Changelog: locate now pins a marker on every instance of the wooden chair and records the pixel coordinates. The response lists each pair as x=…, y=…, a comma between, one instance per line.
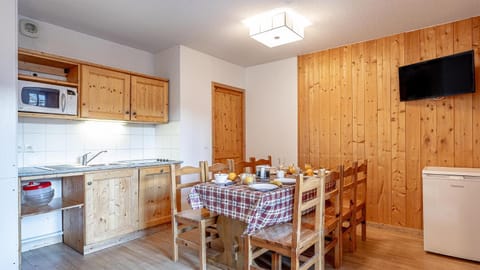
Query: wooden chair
x=333, y=216
x=216, y=168
x=193, y=221
x=349, y=197
x=293, y=239
x=243, y=166
x=265, y=161
x=361, y=199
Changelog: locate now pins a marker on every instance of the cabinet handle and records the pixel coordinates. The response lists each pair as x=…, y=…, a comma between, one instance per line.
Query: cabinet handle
x=134, y=113
x=127, y=112
x=89, y=183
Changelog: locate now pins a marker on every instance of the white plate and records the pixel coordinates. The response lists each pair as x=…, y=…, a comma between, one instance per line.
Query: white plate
x=286, y=181
x=263, y=187
x=228, y=182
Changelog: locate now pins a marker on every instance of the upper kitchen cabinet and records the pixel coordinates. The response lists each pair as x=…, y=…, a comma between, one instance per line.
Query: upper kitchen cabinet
x=105, y=94
x=115, y=95
x=149, y=100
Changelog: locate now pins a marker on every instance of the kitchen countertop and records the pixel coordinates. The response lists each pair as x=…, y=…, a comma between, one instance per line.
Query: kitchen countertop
x=58, y=170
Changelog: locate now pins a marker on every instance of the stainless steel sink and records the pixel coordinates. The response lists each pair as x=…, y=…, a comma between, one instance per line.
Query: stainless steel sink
x=62, y=167
x=106, y=164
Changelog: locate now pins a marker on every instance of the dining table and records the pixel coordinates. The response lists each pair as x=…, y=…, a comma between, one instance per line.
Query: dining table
x=242, y=210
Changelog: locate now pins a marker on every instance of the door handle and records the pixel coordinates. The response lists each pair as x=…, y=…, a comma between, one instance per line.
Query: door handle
x=63, y=101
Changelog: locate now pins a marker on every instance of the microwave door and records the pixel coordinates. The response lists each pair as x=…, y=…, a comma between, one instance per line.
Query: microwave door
x=40, y=99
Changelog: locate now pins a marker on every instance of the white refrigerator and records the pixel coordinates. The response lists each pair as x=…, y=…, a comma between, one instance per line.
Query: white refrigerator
x=451, y=211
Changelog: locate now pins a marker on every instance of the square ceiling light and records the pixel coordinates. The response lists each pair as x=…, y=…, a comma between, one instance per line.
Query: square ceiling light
x=277, y=27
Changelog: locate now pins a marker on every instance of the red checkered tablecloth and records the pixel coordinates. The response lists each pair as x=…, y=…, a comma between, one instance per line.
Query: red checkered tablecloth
x=256, y=208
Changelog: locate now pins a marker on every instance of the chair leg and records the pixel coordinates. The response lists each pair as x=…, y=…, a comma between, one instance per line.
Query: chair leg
x=338, y=248
x=364, y=224
x=353, y=232
x=247, y=252
x=276, y=261
x=202, y=251
x=174, y=239
x=294, y=261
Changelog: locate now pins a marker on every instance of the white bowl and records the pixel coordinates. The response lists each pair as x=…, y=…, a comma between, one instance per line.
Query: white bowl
x=220, y=177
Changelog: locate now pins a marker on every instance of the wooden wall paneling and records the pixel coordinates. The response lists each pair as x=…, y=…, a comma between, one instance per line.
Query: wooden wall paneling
x=476, y=95
x=384, y=146
x=428, y=113
x=303, y=97
x=334, y=97
x=462, y=32
x=398, y=194
x=413, y=143
x=374, y=192
x=358, y=106
x=445, y=116
x=315, y=112
x=346, y=129
x=398, y=138
x=324, y=117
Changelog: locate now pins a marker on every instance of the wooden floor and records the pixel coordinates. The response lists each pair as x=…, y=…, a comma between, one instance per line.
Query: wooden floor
x=384, y=249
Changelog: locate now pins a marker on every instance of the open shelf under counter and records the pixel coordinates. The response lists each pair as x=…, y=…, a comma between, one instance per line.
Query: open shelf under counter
x=55, y=205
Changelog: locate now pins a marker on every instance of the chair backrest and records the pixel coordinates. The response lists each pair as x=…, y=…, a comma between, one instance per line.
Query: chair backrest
x=243, y=166
x=316, y=184
x=216, y=168
x=265, y=161
x=361, y=179
x=349, y=186
x=176, y=185
x=333, y=190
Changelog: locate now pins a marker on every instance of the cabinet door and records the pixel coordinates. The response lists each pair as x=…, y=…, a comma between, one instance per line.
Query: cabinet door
x=105, y=94
x=149, y=100
x=111, y=204
x=154, y=196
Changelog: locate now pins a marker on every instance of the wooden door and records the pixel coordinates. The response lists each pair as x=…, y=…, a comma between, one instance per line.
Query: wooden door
x=149, y=100
x=228, y=123
x=105, y=94
x=154, y=196
x=111, y=204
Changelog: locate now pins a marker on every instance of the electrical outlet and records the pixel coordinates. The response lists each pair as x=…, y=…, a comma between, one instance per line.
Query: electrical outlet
x=28, y=148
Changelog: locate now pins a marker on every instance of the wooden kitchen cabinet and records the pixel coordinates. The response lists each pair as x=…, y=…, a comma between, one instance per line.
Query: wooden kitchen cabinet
x=154, y=196
x=149, y=100
x=105, y=94
x=111, y=204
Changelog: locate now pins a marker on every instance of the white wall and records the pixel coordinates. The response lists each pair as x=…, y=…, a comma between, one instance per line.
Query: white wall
x=272, y=110
x=197, y=71
x=65, y=42
x=8, y=110
x=167, y=65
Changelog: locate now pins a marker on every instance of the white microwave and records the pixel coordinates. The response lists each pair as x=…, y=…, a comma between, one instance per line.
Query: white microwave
x=46, y=98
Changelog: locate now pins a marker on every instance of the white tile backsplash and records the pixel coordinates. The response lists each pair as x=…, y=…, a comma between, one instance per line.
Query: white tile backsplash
x=48, y=141
x=55, y=142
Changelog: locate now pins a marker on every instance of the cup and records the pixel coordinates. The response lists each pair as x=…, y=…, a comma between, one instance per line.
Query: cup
x=248, y=179
x=280, y=174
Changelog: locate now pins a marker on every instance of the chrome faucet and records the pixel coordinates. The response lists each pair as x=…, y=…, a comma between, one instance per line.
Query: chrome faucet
x=85, y=159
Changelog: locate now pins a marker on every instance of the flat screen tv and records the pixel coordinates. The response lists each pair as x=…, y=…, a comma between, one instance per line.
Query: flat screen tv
x=444, y=76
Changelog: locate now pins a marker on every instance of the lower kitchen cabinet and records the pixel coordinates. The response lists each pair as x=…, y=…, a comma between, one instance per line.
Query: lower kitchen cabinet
x=111, y=204
x=154, y=196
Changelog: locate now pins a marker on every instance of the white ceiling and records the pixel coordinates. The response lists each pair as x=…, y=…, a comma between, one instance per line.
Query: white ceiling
x=215, y=26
